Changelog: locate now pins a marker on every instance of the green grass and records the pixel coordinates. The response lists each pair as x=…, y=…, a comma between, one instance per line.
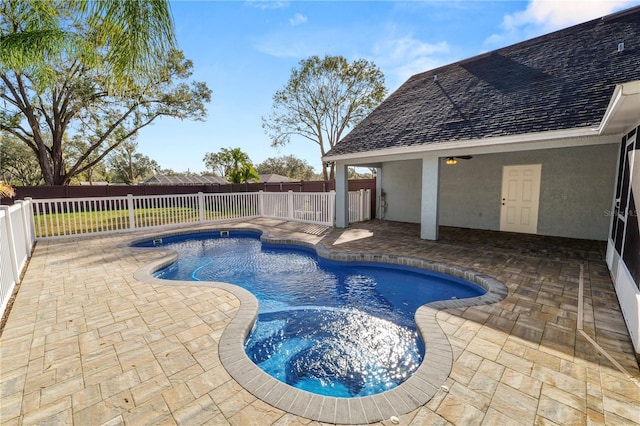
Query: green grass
x=86, y=222
x=54, y=224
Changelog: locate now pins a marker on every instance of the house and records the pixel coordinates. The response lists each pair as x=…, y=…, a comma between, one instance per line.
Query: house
x=538, y=137
x=274, y=178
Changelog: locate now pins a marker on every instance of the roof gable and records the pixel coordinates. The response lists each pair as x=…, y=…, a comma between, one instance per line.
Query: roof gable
x=559, y=81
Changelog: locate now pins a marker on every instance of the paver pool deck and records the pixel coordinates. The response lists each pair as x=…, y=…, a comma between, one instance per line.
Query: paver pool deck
x=86, y=343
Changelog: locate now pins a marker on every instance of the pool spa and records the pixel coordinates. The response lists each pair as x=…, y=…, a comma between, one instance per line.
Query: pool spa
x=334, y=328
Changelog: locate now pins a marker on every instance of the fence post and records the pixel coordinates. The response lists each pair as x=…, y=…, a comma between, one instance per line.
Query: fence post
x=15, y=269
x=290, y=204
x=361, y=207
x=24, y=225
x=29, y=221
x=201, y=206
x=367, y=203
x=132, y=216
x=260, y=202
x=332, y=207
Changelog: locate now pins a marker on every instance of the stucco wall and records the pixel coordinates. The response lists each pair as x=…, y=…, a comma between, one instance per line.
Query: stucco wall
x=575, y=193
x=402, y=184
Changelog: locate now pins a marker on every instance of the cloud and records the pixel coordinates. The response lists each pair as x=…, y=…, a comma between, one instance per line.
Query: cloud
x=303, y=42
x=543, y=16
x=399, y=54
x=403, y=56
x=298, y=19
x=267, y=4
x=285, y=45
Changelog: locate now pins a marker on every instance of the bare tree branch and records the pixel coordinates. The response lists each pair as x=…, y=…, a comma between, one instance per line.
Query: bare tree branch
x=322, y=99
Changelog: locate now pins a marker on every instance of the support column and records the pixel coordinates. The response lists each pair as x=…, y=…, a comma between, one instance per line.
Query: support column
x=342, y=195
x=430, y=195
x=379, y=213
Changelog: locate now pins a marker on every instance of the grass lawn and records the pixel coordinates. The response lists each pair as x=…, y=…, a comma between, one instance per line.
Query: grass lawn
x=55, y=224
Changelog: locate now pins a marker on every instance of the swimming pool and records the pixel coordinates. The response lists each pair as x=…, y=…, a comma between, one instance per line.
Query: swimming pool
x=341, y=329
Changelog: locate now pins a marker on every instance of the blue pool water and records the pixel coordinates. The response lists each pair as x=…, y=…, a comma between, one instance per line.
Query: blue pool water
x=340, y=329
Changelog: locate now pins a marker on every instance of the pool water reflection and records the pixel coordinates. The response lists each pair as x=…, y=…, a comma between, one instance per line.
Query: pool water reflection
x=334, y=328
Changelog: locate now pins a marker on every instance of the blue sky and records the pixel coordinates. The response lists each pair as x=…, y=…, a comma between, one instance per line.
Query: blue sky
x=245, y=51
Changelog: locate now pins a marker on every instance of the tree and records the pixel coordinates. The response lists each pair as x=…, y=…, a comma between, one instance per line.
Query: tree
x=18, y=166
x=6, y=190
x=134, y=36
x=80, y=103
x=358, y=173
x=244, y=173
x=75, y=149
x=290, y=166
x=218, y=162
x=78, y=100
x=231, y=163
x=322, y=99
x=128, y=166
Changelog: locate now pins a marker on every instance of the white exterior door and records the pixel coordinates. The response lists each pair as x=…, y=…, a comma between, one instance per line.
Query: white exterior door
x=520, y=198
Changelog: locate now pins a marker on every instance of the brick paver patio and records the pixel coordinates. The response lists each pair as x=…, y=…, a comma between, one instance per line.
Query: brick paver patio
x=88, y=344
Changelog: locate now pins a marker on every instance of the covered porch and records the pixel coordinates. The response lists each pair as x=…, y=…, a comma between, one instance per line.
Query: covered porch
x=569, y=197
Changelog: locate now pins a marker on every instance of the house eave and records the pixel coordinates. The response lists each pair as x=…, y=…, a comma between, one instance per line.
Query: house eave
x=542, y=140
x=623, y=110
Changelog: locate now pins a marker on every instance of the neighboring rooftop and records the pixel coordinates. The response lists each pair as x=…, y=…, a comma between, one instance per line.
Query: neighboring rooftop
x=274, y=178
x=563, y=80
x=184, y=180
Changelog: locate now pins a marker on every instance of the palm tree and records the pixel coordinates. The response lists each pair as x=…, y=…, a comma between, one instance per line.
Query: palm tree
x=6, y=190
x=136, y=35
x=246, y=173
x=240, y=170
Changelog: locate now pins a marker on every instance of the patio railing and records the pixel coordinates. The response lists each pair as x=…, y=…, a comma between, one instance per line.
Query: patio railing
x=64, y=217
x=16, y=241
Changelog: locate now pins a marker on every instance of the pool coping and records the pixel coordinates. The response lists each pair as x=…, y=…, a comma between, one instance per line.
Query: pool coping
x=414, y=392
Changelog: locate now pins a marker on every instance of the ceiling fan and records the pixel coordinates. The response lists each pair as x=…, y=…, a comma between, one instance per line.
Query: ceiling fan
x=453, y=160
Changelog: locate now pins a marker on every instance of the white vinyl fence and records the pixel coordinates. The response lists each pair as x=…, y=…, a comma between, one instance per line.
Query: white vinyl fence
x=16, y=241
x=64, y=217
x=310, y=207
x=359, y=205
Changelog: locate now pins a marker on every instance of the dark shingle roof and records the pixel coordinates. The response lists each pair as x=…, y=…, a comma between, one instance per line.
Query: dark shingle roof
x=563, y=80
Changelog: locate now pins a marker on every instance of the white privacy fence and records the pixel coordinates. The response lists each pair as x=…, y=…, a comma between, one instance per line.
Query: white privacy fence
x=359, y=205
x=16, y=241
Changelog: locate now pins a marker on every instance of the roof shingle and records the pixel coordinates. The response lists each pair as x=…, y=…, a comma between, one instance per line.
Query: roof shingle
x=563, y=80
